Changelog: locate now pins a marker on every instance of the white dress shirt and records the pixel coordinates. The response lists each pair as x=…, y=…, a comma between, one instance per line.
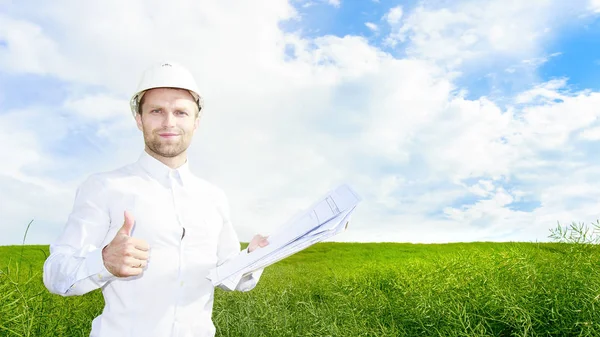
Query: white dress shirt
x=172, y=297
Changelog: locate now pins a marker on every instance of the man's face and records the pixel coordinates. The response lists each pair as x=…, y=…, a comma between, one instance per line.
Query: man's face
x=168, y=120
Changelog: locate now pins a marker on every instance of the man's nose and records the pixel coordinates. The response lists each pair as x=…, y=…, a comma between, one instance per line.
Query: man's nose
x=169, y=119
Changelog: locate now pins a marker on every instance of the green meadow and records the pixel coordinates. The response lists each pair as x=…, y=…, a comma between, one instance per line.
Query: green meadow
x=361, y=289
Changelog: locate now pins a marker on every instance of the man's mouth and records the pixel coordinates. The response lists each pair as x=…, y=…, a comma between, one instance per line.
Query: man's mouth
x=168, y=135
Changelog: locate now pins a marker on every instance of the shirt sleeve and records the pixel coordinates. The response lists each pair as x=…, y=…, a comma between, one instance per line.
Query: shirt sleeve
x=229, y=247
x=75, y=265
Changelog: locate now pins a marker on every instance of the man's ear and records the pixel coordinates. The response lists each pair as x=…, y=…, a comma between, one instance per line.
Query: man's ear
x=197, y=121
x=138, y=121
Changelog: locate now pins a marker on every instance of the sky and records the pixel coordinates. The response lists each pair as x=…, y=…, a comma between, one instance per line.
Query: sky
x=455, y=121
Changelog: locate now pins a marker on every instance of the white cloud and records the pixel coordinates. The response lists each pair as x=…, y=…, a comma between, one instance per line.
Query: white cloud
x=475, y=31
x=394, y=15
x=277, y=133
x=22, y=202
x=488, y=207
x=28, y=49
x=590, y=134
x=372, y=26
x=550, y=123
x=547, y=91
x=334, y=3
x=22, y=151
x=537, y=61
x=136, y=30
x=483, y=188
x=594, y=6
x=96, y=107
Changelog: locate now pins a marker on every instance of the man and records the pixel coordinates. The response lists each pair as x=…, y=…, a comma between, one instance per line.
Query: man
x=148, y=233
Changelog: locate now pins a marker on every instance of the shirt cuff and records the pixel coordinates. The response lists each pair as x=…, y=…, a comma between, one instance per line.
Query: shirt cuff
x=96, y=268
x=247, y=282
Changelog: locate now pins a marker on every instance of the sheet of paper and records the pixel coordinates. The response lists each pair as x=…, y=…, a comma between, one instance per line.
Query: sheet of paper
x=292, y=248
x=303, y=242
x=326, y=217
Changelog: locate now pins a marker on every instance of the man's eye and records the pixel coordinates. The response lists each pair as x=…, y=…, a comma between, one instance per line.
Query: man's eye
x=154, y=110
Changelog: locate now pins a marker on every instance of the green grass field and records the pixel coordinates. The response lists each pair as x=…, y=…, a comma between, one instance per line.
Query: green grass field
x=343, y=289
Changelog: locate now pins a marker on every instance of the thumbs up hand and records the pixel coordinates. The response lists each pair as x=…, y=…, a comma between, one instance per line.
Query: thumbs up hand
x=126, y=256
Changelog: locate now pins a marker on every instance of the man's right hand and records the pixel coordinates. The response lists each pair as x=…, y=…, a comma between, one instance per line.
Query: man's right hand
x=126, y=256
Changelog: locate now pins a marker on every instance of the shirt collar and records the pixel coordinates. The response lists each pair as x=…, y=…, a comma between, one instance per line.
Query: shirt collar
x=160, y=171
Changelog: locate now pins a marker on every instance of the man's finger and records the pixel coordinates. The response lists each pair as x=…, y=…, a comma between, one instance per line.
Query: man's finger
x=140, y=244
x=127, y=224
x=132, y=262
x=127, y=271
x=140, y=254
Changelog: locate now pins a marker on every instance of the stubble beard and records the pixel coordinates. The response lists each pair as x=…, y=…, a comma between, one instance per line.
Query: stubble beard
x=162, y=147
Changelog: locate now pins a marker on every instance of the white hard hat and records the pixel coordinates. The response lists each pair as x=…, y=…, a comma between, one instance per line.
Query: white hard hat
x=166, y=75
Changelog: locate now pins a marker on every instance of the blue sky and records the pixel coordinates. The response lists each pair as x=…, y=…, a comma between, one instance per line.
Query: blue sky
x=579, y=59
x=456, y=121
x=21, y=90
x=576, y=45
x=321, y=18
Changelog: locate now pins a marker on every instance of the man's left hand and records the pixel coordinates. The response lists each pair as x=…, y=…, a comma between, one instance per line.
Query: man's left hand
x=257, y=241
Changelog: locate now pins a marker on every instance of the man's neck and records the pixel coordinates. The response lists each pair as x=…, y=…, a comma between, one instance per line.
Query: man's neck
x=172, y=162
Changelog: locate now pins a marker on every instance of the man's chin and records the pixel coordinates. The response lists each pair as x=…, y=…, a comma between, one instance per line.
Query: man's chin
x=170, y=153
x=167, y=151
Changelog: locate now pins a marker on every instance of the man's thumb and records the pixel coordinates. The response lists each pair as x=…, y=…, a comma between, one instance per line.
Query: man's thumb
x=127, y=224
